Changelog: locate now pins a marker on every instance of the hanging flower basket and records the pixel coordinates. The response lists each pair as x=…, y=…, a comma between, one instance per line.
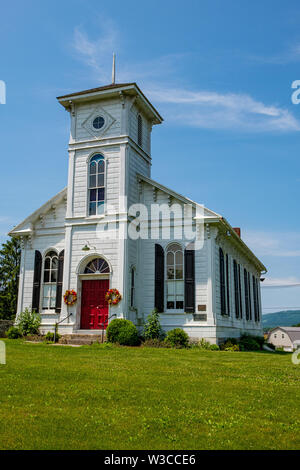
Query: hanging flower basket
x=70, y=297
x=113, y=296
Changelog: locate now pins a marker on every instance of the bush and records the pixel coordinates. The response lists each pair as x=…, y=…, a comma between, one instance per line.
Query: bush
x=228, y=345
x=50, y=336
x=13, y=333
x=249, y=343
x=123, y=332
x=152, y=328
x=234, y=347
x=203, y=344
x=177, y=338
x=214, y=347
x=155, y=343
x=29, y=322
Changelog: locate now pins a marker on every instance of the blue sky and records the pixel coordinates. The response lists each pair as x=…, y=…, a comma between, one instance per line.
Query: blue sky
x=219, y=72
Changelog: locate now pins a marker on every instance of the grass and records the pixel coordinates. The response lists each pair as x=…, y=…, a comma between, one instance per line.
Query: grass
x=58, y=397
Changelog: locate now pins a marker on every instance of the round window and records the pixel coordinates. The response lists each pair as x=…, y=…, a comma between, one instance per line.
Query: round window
x=98, y=122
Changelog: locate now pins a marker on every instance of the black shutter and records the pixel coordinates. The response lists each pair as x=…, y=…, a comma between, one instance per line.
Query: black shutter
x=240, y=291
x=159, y=278
x=227, y=284
x=37, y=281
x=236, y=290
x=189, y=281
x=257, y=300
x=59, y=283
x=246, y=294
x=222, y=282
x=250, y=303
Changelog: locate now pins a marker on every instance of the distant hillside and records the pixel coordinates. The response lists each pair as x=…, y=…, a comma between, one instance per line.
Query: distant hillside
x=284, y=318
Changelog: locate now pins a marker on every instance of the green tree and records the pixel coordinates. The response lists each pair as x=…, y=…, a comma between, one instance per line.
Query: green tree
x=152, y=328
x=10, y=256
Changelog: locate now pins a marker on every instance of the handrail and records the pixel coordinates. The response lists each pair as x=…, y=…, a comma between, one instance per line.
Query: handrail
x=103, y=323
x=57, y=323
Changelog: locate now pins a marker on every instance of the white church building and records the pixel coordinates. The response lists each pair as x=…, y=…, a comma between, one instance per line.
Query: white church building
x=110, y=229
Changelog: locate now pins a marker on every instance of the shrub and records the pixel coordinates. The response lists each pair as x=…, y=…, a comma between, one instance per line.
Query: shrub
x=152, y=328
x=249, y=343
x=123, y=332
x=50, y=336
x=214, y=347
x=227, y=345
x=177, y=338
x=29, y=322
x=13, y=333
x=155, y=343
x=234, y=347
x=203, y=344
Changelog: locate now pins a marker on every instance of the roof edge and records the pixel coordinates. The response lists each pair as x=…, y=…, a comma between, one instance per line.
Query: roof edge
x=16, y=230
x=114, y=88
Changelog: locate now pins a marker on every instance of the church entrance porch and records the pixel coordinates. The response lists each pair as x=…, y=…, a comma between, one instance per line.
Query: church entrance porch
x=94, y=307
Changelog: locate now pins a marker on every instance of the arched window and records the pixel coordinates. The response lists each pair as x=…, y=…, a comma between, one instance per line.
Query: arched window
x=140, y=130
x=175, y=279
x=50, y=280
x=96, y=185
x=97, y=266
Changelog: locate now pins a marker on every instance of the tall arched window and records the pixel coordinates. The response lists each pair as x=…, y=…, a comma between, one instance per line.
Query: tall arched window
x=50, y=280
x=175, y=279
x=96, y=185
x=140, y=130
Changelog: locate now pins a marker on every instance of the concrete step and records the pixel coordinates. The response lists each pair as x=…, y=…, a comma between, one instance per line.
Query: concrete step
x=80, y=339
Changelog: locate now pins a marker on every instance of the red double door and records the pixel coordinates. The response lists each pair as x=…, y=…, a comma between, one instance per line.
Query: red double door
x=94, y=307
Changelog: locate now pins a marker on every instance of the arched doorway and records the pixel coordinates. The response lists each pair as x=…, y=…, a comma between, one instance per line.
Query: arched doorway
x=94, y=285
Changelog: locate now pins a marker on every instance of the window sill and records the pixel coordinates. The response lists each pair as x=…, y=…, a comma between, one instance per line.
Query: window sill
x=175, y=312
x=48, y=312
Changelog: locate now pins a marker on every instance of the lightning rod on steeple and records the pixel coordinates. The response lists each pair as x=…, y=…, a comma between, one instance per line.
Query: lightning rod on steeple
x=114, y=69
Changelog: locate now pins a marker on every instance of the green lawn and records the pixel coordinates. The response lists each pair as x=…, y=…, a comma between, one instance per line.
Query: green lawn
x=59, y=397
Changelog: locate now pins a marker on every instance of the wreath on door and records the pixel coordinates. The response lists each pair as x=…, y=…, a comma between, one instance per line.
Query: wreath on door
x=70, y=297
x=113, y=296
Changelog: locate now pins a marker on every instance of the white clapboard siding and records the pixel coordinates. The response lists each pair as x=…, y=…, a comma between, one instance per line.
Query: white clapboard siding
x=84, y=111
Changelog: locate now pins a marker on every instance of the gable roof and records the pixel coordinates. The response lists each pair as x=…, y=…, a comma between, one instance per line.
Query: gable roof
x=24, y=227
x=109, y=91
x=209, y=217
x=293, y=332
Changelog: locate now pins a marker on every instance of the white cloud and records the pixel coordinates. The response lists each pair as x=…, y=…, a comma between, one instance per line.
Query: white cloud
x=281, y=282
x=290, y=55
x=213, y=110
x=4, y=219
x=279, y=244
x=97, y=53
x=200, y=108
